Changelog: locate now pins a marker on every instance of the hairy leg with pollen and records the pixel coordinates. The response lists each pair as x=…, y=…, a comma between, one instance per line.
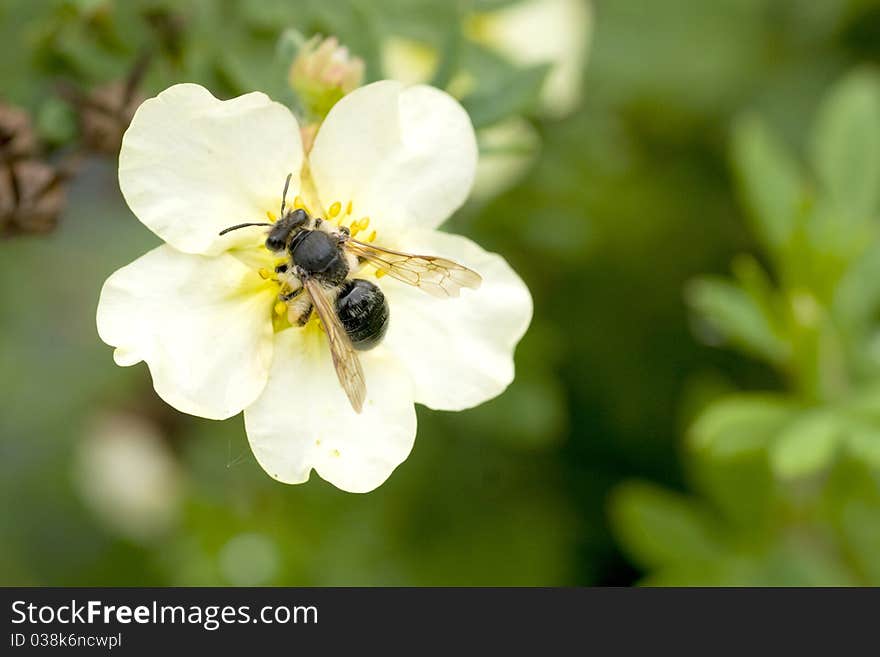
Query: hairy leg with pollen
x=292, y=297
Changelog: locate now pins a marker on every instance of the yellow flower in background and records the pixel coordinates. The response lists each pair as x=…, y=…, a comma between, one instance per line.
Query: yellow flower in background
x=409, y=60
x=212, y=316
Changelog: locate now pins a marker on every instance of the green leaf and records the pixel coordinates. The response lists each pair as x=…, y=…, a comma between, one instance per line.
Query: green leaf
x=659, y=527
x=863, y=442
x=862, y=534
x=806, y=445
x=799, y=563
x=450, y=59
x=857, y=297
x=742, y=489
x=864, y=404
x=56, y=121
x=289, y=44
x=506, y=95
x=770, y=182
x=737, y=317
x=741, y=424
x=846, y=144
x=689, y=574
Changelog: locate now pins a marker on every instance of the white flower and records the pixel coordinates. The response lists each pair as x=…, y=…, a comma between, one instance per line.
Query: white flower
x=128, y=477
x=528, y=33
x=554, y=32
x=199, y=312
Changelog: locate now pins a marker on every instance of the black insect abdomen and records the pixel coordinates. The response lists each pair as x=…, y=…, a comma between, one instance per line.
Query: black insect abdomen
x=364, y=313
x=318, y=254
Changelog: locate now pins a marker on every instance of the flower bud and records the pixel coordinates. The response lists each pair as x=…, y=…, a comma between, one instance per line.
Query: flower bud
x=323, y=72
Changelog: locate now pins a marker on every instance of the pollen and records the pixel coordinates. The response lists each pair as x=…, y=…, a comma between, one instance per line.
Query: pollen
x=271, y=216
x=380, y=273
x=265, y=274
x=372, y=236
x=280, y=308
x=299, y=204
x=359, y=225
x=348, y=208
x=334, y=210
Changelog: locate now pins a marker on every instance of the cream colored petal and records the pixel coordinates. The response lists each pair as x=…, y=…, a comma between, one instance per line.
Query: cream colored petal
x=458, y=351
x=404, y=156
x=191, y=165
x=203, y=325
x=303, y=420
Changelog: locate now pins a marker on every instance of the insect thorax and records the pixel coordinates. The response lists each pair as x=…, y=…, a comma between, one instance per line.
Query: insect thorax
x=319, y=254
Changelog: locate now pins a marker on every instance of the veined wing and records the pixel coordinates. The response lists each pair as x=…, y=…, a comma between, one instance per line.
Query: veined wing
x=438, y=277
x=345, y=360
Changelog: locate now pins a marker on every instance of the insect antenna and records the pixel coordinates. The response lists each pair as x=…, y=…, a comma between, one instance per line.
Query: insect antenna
x=284, y=194
x=237, y=226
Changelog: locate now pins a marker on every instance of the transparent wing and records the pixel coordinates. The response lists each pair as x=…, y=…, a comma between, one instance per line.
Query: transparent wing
x=345, y=360
x=438, y=277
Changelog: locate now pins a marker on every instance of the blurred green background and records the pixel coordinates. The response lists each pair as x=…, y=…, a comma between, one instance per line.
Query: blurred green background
x=697, y=400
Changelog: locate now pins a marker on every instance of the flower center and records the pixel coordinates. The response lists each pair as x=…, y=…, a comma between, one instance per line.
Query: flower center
x=289, y=307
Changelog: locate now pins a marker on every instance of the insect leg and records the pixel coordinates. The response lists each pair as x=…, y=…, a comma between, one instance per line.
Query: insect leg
x=291, y=295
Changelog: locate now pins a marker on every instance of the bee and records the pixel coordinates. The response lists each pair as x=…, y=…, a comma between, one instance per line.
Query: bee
x=317, y=276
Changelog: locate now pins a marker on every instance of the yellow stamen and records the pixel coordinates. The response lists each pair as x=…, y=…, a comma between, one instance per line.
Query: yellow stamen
x=299, y=204
x=265, y=274
x=359, y=225
x=372, y=236
x=280, y=308
x=271, y=216
x=334, y=210
x=348, y=208
x=380, y=273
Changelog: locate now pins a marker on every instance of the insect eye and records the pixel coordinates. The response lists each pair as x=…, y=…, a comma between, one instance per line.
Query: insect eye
x=275, y=243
